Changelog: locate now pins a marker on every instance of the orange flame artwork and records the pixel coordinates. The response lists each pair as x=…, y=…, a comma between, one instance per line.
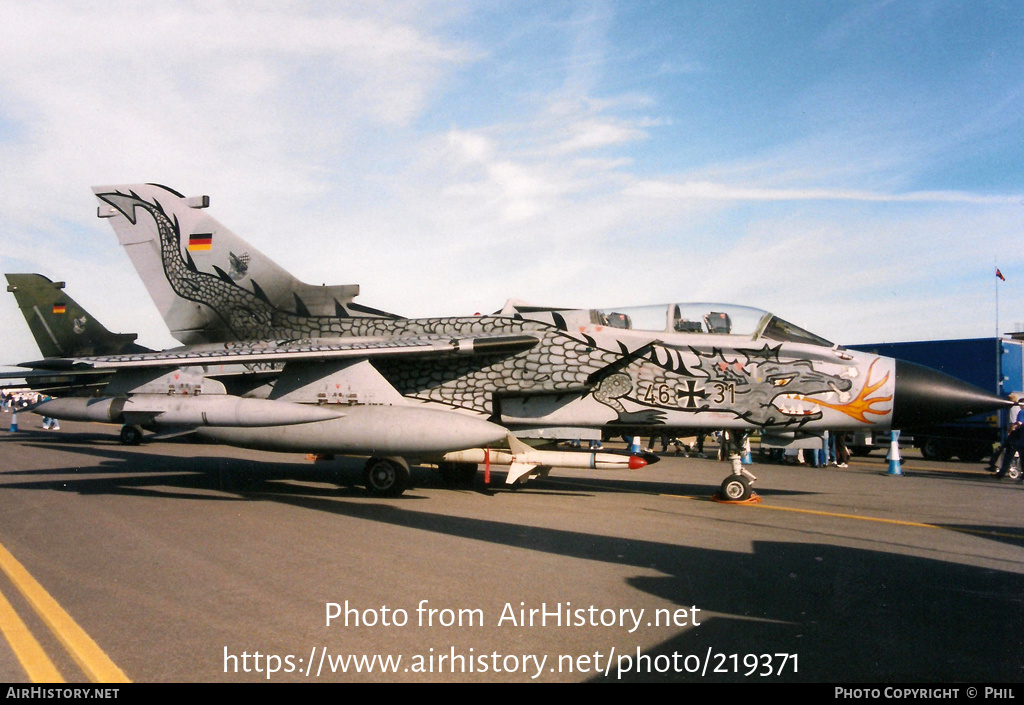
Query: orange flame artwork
x=863, y=404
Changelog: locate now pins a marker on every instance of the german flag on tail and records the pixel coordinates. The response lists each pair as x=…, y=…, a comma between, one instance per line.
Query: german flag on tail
x=59, y=309
x=200, y=241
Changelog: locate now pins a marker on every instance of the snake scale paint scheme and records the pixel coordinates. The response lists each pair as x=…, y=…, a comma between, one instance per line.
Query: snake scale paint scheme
x=597, y=374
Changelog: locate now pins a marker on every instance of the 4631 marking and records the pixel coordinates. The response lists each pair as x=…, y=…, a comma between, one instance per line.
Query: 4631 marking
x=688, y=396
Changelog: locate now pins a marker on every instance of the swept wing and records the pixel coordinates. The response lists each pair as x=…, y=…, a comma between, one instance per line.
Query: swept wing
x=275, y=351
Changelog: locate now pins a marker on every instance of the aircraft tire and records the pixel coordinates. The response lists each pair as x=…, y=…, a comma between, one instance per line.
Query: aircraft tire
x=386, y=477
x=736, y=488
x=131, y=435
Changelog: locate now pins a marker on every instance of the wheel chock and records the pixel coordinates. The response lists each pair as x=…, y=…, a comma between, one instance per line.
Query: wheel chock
x=754, y=498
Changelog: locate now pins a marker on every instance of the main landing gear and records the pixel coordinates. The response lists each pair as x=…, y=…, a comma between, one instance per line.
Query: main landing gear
x=386, y=477
x=131, y=435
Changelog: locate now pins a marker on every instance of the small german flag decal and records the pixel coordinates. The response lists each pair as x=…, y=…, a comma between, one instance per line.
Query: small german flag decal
x=200, y=241
x=59, y=308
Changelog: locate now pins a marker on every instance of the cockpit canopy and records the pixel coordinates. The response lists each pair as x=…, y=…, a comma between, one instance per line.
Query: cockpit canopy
x=705, y=319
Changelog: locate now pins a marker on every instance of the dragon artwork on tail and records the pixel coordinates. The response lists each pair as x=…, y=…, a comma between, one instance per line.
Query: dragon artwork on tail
x=646, y=386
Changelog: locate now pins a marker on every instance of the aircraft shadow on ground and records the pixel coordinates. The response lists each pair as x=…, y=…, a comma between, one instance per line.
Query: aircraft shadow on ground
x=1013, y=536
x=850, y=614
x=267, y=480
x=239, y=474
x=120, y=471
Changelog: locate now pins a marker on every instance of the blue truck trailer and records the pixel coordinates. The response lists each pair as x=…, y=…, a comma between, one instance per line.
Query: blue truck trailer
x=994, y=364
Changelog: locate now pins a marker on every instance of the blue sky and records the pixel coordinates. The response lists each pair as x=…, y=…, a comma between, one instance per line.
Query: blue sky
x=853, y=166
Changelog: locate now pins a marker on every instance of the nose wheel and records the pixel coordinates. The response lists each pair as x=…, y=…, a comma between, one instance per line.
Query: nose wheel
x=736, y=488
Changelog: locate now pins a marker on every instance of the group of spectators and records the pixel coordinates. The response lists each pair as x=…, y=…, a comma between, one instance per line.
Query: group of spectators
x=11, y=402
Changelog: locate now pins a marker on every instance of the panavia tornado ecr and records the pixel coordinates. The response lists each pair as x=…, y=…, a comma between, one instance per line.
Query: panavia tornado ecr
x=62, y=328
x=460, y=391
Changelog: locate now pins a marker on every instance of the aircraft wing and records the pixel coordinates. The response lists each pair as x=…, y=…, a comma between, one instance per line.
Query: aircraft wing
x=312, y=350
x=56, y=383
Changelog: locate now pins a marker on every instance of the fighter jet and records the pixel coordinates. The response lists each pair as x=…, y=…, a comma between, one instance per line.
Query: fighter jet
x=355, y=380
x=61, y=327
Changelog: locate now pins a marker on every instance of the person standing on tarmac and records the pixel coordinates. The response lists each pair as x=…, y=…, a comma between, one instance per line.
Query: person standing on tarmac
x=1006, y=449
x=49, y=423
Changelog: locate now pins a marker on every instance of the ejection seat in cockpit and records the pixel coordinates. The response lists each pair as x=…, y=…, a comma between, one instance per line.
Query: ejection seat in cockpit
x=718, y=322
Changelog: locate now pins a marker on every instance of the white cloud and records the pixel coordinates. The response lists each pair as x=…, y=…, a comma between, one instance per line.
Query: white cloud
x=316, y=131
x=710, y=191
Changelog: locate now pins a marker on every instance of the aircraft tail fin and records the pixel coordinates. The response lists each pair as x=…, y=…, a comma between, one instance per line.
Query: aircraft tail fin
x=208, y=283
x=61, y=327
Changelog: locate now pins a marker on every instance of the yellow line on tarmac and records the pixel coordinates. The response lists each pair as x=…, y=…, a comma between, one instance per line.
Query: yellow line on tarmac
x=898, y=522
x=818, y=512
x=86, y=653
x=30, y=654
x=762, y=505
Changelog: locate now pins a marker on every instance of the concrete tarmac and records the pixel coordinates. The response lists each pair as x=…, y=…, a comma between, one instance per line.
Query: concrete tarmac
x=203, y=563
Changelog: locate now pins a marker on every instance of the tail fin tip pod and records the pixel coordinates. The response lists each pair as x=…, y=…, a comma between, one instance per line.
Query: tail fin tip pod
x=209, y=284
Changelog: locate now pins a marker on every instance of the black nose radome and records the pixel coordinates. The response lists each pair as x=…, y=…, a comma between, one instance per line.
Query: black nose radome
x=927, y=396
